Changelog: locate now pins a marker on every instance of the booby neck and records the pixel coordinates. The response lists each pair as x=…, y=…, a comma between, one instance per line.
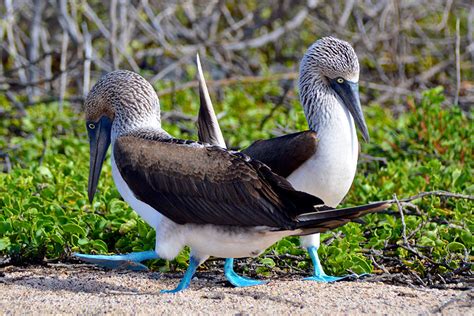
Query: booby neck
x=328, y=117
x=145, y=124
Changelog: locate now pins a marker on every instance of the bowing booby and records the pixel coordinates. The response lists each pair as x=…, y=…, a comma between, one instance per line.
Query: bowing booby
x=323, y=160
x=218, y=202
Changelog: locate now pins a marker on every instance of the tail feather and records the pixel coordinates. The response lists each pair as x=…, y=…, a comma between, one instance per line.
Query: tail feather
x=209, y=130
x=326, y=219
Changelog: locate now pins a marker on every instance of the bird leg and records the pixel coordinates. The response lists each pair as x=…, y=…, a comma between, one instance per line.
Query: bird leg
x=319, y=275
x=188, y=275
x=130, y=261
x=235, y=279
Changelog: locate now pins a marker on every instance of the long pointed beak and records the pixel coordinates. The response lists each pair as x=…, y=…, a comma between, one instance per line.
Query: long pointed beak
x=349, y=93
x=99, y=141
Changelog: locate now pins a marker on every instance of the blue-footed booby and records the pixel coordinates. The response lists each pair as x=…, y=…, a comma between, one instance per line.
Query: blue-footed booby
x=218, y=202
x=323, y=160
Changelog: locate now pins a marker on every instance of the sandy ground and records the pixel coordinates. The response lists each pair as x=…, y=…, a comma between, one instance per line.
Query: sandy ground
x=79, y=289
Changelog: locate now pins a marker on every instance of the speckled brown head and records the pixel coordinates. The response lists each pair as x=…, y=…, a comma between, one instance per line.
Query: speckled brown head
x=329, y=71
x=120, y=102
x=122, y=95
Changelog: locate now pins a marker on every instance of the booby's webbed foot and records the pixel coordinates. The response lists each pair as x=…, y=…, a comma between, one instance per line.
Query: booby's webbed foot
x=188, y=275
x=319, y=275
x=235, y=279
x=323, y=278
x=129, y=261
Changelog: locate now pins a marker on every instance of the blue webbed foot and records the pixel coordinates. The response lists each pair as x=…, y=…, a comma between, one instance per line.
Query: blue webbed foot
x=188, y=275
x=319, y=275
x=130, y=261
x=235, y=279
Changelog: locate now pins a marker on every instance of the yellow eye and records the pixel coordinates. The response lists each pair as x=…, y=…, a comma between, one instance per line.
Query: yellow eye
x=91, y=126
x=340, y=80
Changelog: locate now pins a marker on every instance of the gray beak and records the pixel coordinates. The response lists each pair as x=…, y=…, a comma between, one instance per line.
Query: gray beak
x=99, y=141
x=348, y=92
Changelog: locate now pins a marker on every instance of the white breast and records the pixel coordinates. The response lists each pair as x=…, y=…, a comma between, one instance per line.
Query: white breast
x=331, y=170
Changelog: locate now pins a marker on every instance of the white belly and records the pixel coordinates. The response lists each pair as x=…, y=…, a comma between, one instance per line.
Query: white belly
x=149, y=214
x=212, y=240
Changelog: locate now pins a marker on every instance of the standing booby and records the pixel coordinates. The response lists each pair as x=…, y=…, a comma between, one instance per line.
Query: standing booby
x=323, y=160
x=209, y=132
x=219, y=203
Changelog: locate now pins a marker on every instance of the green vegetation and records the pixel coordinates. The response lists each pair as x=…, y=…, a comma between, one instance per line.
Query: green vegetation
x=45, y=212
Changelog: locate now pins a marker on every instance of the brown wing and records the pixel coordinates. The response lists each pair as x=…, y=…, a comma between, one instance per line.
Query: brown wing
x=286, y=153
x=193, y=183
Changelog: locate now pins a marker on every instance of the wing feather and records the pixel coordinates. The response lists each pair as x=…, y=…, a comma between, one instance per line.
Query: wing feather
x=284, y=154
x=202, y=184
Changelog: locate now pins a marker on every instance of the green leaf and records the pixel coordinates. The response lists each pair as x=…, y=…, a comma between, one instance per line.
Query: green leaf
x=268, y=262
x=4, y=243
x=456, y=247
x=82, y=241
x=127, y=226
x=74, y=229
x=100, y=246
x=5, y=226
x=44, y=171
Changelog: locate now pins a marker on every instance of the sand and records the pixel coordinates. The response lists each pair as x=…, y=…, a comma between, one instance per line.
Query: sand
x=82, y=289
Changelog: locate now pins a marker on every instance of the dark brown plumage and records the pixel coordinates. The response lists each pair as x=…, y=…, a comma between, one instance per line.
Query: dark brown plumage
x=324, y=220
x=189, y=182
x=284, y=154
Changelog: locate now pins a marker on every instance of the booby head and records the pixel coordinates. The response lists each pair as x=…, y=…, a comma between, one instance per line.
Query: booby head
x=118, y=103
x=330, y=67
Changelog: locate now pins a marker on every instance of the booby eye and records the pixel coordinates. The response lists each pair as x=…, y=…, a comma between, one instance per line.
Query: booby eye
x=91, y=126
x=340, y=80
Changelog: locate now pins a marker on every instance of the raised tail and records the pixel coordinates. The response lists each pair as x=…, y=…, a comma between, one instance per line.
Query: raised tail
x=209, y=130
x=327, y=218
